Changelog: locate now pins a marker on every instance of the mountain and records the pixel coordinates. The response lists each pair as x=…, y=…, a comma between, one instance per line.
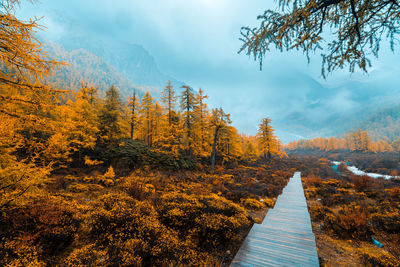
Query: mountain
x=320, y=110
x=87, y=67
x=131, y=60
x=384, y=124
x=101, y=63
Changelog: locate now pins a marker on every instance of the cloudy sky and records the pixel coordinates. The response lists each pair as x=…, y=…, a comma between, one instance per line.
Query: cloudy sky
x=196, y=41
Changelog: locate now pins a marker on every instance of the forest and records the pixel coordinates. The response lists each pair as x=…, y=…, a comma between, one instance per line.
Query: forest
x=94, y=176
x=100, y=178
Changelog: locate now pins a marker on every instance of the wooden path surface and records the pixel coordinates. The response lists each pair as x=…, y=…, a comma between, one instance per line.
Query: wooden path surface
x=285, y=237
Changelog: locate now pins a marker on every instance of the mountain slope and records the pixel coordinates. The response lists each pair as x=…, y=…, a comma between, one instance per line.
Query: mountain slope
x=87, y=67
x=319, y=110
x=383, y=124
x=103, y=64
x=131, y=60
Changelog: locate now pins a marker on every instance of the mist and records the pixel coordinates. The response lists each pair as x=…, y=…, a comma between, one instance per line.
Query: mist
x=197, y=42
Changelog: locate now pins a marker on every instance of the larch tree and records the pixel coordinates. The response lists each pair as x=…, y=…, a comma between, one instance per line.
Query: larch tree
x=89, y=93
x=229, y=144
x=219, y=121
x=169, y=98
x=24, y=62
x=201, y=114
x=78, y=126
x=171, y=135
x=357, y=29
x=158, y=122
x=249, y=149
x=147, y=110
x=266, y=138
x=171, y=129
x=187, y=103
x=23, y=101
x=133, y=106
x=110, y=117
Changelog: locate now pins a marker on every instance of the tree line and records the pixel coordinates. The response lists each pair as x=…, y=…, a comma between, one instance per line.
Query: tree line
x=355, y=141
x=177, y=125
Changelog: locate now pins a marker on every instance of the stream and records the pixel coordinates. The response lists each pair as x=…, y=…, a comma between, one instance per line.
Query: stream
x=357, y=171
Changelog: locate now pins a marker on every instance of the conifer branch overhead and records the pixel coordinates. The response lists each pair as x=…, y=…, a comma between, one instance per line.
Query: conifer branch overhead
x=357, y=26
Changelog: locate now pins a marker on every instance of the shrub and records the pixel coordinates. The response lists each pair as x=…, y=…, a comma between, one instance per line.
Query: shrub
x=388, y=221
x=41, y=228
x=268, y=202
x=131, y=233
x=394, y=192
x=110, y=174
x=135, y=153
x=88, y=255
x=137, y=187
x=108, y=182
x=78, y=188
x=352, y=221
x=251, y=203
x=312, y=181
x=95, y=187
x=383, y=259
x=361, y=183
x=210, y=221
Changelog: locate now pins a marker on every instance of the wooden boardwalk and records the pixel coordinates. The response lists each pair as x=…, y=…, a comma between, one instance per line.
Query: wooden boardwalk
x=285, y=237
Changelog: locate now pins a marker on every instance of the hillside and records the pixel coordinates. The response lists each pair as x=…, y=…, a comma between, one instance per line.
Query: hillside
x=103, y=64
x=131, y=60
x=87, y=67
x=383, y=124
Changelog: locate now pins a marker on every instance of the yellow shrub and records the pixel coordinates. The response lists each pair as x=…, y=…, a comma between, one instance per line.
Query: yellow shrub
x=87, y=256
x=251, y=203
x=77, y=188
x=108, y=182
x=268, y=202
x=372, y=259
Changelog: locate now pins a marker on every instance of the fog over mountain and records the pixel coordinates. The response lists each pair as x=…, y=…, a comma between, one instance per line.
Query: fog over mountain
x=130, y=49
x=103, y=64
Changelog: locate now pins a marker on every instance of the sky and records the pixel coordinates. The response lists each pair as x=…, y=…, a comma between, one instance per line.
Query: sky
x=196, y=41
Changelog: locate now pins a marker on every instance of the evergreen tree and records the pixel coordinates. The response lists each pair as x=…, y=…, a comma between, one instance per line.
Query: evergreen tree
x=219, y=120
x=89, y=93
x=169, y=98
x=229, y=144
x=133, y=106
x=147, y=110
x=110, y=117
x=249, y=150
x=170, y=137
x=157, y=125
x=187, y=103
x=266, y=139
x=201, y=114
x=26, y=107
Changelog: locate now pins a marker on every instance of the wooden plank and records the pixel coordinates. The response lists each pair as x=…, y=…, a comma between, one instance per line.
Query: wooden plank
x=285, y=237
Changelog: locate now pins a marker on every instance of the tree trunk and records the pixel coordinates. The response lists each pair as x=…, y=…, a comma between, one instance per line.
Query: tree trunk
x=214, y=149
x=133, y=113
x=132, y=130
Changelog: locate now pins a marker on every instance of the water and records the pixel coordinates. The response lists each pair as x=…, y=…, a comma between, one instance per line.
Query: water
x=359, y=172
